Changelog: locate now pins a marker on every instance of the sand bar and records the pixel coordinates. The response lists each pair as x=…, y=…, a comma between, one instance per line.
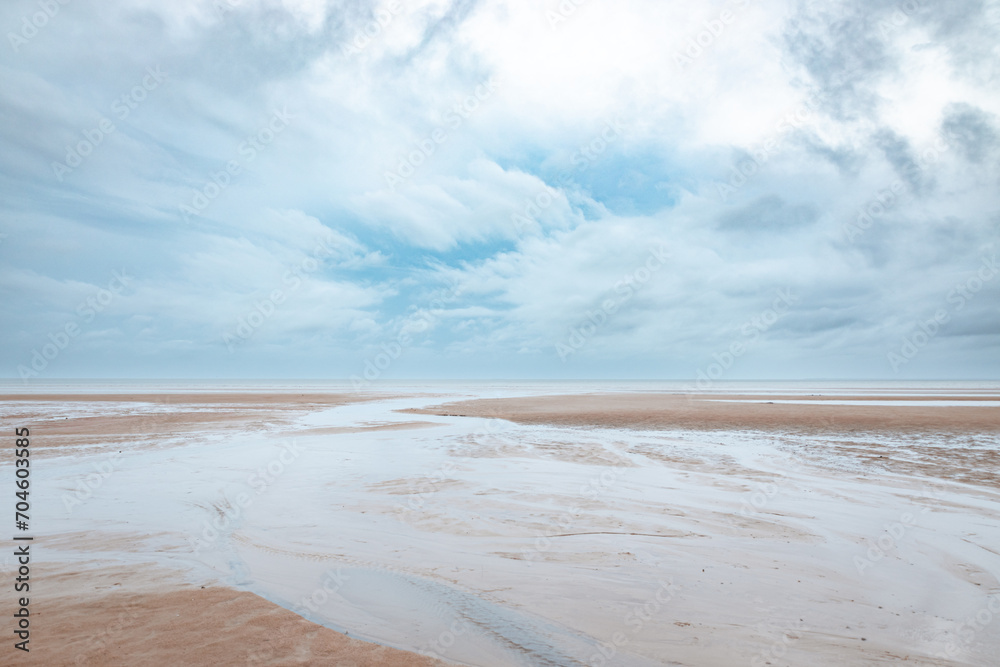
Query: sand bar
x=715, y=412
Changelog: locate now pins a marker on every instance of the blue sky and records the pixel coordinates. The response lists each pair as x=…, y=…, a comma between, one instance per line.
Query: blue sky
x=478, y=189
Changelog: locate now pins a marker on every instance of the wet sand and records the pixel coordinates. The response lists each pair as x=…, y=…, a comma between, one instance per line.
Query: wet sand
x=143, y=615
x=618, y=529
x=120, y=611
x=735, y=412
x=99, y=423
x=933, y=428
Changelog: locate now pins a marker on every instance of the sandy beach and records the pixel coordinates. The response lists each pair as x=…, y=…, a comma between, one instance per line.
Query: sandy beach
x=511, y=528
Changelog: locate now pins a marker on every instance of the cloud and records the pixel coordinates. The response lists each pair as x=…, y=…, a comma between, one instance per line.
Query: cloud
x=971, y=130
x=857, y=143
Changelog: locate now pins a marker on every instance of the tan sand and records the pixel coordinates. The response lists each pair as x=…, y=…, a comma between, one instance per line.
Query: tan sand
x=712, y=412
x=144, y=615
x=159, y=416
x=198, y=398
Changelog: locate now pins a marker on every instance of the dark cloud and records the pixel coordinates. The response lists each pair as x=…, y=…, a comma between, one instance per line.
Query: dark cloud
x=458, y=11
x=969, y=31
x=845, y=158
x=768, y=215
x=842, y=52
x=846, y=48
x=899, y=153
x=971, y=130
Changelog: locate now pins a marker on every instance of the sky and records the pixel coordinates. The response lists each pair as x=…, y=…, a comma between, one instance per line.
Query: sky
x=644, y=189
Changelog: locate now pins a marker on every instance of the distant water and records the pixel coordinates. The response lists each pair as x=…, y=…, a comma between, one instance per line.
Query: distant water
x=508, y=387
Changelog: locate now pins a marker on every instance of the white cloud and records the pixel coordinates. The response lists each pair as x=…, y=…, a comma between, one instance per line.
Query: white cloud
x=387, y=252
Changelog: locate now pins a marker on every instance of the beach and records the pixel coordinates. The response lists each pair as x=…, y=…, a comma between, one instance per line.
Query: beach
x=520, y=525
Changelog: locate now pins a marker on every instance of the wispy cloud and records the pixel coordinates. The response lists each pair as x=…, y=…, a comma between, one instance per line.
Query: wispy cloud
x=526, y=212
